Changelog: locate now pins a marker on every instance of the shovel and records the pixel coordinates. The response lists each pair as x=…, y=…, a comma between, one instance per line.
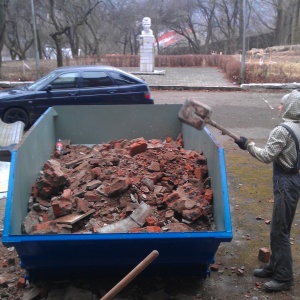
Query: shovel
x=130, y=276
x=198, y=114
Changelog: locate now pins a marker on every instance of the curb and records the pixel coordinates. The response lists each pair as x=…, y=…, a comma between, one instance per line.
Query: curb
x=195, y=88
x=275, y=86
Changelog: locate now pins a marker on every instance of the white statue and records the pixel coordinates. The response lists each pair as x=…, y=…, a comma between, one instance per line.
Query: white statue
x=146, y=25
x=147, y=54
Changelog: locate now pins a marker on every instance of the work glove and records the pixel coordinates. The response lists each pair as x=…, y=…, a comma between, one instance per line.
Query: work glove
x=242, y=142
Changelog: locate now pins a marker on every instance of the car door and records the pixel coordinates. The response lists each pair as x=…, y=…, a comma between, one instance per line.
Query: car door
x=97, y=88
x=131, y=90
x=63, y=90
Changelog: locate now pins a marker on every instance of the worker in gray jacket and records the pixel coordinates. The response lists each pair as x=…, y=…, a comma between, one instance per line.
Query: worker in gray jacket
x=281, y=149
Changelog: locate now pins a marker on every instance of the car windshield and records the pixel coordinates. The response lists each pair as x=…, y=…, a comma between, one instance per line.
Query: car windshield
x=40, y=83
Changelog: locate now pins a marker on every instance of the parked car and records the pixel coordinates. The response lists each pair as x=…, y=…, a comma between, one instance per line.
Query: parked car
x=76, y=85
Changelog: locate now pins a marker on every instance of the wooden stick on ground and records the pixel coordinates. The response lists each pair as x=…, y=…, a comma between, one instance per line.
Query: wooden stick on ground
x=130, y=276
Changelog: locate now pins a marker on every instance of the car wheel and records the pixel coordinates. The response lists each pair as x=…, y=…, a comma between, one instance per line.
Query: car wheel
x=16, y=114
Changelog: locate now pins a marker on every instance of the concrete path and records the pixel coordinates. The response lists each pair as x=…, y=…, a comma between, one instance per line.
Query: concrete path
x=185, y=78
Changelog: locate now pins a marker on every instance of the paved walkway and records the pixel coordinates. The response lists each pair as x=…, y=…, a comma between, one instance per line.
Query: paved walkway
x=185, y=78
x=189, y=79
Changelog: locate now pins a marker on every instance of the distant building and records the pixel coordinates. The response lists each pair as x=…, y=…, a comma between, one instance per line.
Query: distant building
x=168, y=38
x=50, y=53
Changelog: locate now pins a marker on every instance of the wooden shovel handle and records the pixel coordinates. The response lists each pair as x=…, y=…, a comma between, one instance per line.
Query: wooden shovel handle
x=130, y=276
x=223, y=130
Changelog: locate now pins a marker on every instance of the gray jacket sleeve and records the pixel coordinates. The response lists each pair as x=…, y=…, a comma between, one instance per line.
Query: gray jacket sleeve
x=274, y=149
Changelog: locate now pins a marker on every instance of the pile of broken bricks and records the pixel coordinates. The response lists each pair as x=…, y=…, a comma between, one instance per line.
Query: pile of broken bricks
x=86, y=189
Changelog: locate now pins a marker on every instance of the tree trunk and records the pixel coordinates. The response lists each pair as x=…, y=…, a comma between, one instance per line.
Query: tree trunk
x=59, y=56
x=284, y=22
x=295, y=32
x=3, y=7
x=241, y=25
x=39, y=45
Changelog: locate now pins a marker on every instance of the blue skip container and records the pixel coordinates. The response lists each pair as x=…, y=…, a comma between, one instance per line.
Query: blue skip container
x=77, y=255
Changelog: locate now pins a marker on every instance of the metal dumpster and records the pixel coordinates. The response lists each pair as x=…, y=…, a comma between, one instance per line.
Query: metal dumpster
x=76, y=255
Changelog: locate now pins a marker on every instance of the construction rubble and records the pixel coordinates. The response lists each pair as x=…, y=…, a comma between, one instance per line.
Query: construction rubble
x=122, y=186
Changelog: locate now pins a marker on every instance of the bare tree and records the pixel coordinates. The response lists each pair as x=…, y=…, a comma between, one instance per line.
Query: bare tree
x=95, y=35
x=65, y=17
x=3, y=9
x=125, y=18
x=19, y=32
x=288, y=22
x=181, y=18
x=114, y=26
x=207, y=9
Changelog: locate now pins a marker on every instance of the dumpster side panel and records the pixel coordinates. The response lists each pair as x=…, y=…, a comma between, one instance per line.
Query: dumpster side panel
x=50, y=255
x=26, y=163
x=103, y=123
x=118, y=253
x=204, y=141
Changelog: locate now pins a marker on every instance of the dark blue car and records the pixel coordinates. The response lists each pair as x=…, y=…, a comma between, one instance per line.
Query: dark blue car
x=76, y=85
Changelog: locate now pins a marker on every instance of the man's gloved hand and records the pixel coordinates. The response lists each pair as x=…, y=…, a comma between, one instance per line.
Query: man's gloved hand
x=242, y=142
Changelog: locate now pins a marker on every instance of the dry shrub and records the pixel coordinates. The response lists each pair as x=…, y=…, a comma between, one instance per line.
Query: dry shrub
x=254, y=73
x=118, y=60
x=175, y=61
x=268, y=73
x=229, y=66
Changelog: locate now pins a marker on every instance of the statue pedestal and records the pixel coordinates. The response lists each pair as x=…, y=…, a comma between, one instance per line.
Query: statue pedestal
x=147, y=54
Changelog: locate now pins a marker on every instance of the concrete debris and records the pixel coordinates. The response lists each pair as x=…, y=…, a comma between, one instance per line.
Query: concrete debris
x=83, y=189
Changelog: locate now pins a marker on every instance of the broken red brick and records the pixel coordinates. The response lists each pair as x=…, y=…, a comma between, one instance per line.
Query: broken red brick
x=47, y=227
x=96, y=172
x=264, y=254
x=198, y=173
x=192, y=214
x=153, y=229
x=61, y=207
x=137, y=148
x=21, y=283
x=45, y=217
x=3, y=282
x=189, y=167
x=92, y=196
x=151, y=221
x=121, y=173
x=208, y=195
x=171, y=198
x=56, y=208
x=168, y=139
x=135, y=229
x=169, y=214
x=67, y=194
x=82, y=205
x=118, y=186
x=154, y=167
x=214, y=267
x=157, y=176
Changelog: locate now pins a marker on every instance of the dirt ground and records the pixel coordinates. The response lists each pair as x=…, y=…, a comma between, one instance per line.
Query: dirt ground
x=250, y=192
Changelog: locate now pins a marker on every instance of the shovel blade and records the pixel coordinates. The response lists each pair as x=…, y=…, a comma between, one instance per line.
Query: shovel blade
x=193, y=112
